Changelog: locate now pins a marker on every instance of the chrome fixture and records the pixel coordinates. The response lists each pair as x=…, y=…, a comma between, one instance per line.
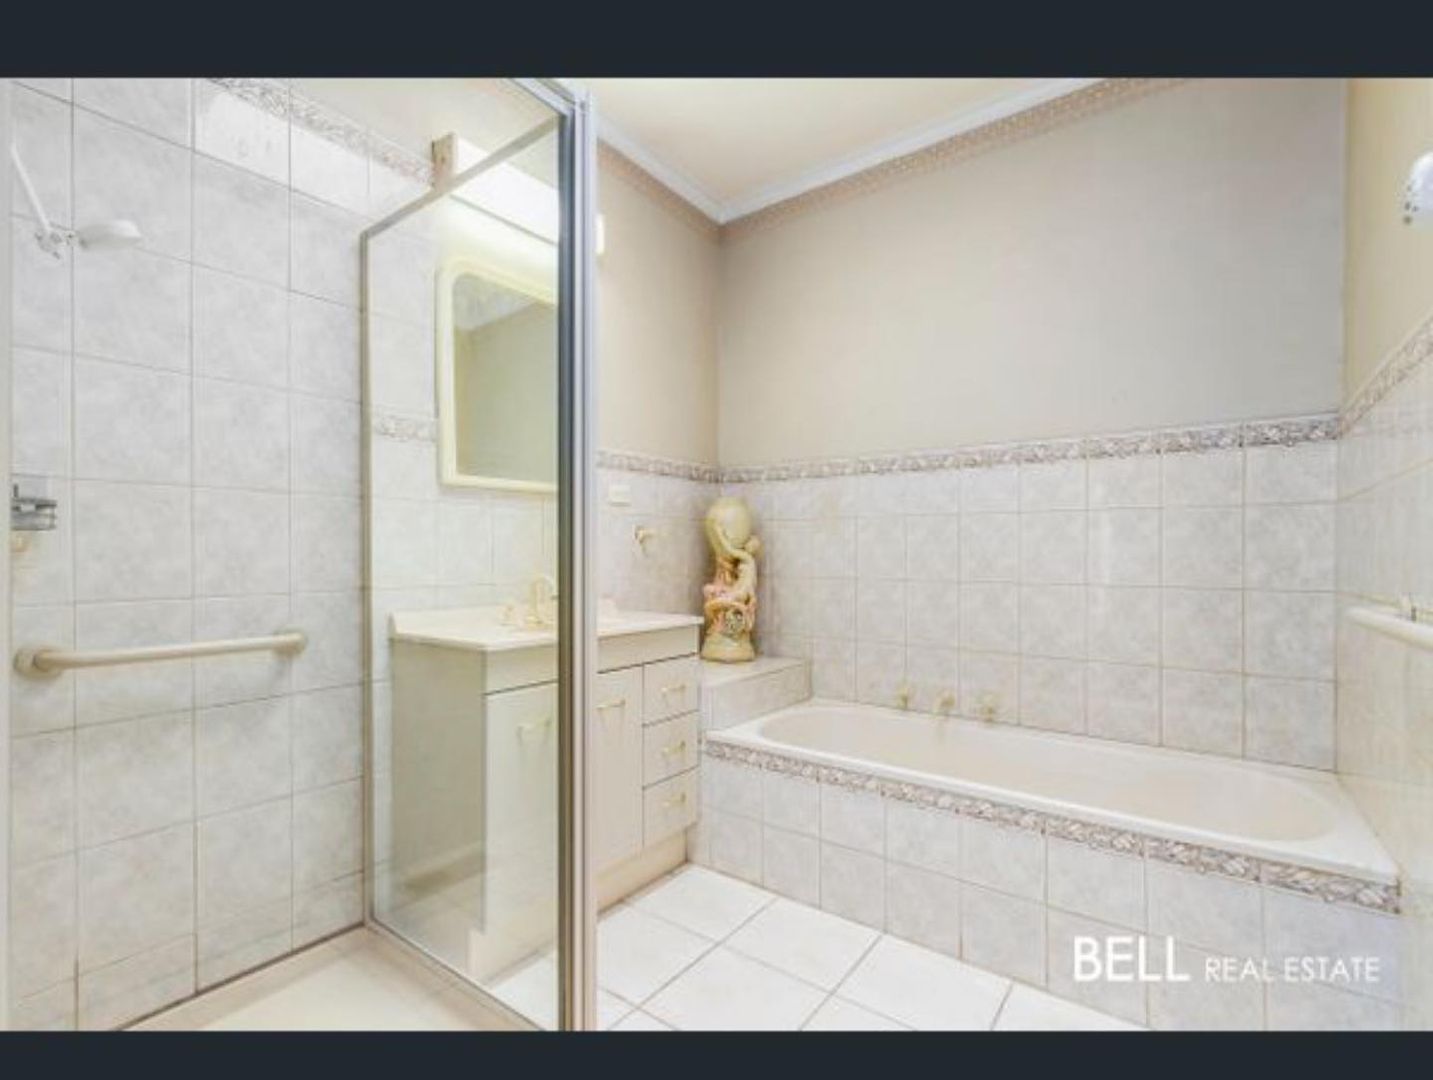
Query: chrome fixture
x=32, y=513
x=53, y=239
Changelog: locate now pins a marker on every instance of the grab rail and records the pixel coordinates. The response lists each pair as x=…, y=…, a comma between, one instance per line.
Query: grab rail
x=49, y=660
x=1401, y=624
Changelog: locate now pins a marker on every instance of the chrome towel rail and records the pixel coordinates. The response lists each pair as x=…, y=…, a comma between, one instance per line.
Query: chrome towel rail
x=1403, y=623
x=49, y=660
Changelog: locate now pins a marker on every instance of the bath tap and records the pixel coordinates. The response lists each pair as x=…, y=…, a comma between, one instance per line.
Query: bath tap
x=987, y=706
x=945, y=704
x=541, y=594
x=903, y=697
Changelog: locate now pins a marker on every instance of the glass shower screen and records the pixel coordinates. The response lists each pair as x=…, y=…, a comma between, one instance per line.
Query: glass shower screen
x=474, y=322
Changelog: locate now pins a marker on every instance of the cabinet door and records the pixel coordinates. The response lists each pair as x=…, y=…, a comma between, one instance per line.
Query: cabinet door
x=615, y=743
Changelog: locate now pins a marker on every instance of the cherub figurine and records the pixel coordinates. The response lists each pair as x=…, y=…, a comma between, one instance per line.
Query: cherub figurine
x=729, y=600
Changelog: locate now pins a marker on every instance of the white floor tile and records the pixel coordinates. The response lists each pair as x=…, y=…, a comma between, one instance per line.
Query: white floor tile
x=610, y=1009
x=638, y=953
x=924, y=989
x=637, y=1020
x=1030, y=1010
x=839, y=1015
x=531, y=989
x=704, y=901
x=812, y=945
x=725, y=991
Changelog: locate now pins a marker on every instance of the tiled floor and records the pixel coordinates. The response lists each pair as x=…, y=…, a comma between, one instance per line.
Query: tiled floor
x=357, y=982
x=699, y=951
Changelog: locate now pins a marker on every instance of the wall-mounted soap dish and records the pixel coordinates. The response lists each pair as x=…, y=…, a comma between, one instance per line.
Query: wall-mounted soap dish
x=32, y=513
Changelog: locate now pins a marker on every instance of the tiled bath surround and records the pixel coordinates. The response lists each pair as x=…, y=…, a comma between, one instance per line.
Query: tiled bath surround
x=193, y=405
x=1174, y=588
x=1009, y=890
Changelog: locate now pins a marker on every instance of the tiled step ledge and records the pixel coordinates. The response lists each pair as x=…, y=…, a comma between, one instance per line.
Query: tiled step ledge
x=735, y=693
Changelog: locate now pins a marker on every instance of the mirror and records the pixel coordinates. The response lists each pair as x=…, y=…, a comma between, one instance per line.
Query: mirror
x=497, y=378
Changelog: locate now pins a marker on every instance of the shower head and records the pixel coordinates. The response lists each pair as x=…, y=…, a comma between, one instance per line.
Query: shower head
x=119, y=233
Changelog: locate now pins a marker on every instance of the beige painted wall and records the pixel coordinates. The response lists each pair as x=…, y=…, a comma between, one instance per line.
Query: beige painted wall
x=1389, y=272
x=1173, y=260
x=656, y=327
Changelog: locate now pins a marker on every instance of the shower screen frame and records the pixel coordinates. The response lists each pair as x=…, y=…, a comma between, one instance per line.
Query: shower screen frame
x=573, y=124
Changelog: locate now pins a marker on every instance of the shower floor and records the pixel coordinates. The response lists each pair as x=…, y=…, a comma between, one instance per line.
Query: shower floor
x=694, y=951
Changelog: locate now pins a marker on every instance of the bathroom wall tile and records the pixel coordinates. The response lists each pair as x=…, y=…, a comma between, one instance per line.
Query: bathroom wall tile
x=989, y=547
x=241, y=543
x=1124, y=625
x=880, y=610
x=1004, y=934
x=792, y=803
x=327, y=909
x=158, y=106
x=324, y=443
x=1313, y=1007
x=327, y=737
x=1055, y=485
x=333, y=622
x=1289, y=721
x=328, y=834
x=1052, y=620
x=231, y=129
x=324, y=253
x=1009, y=860
x=134, y=776
x=42, y=925
x=400, y=274
x=242, y=754
x=1100, y=884
x=929, y=839
x=853, y=819
x=55, y=88
x=1124, y=547
x=134, y=689
x=42, y=806
x=1201, y=1004
x=49, y=1010
x=1289, y=634
x=923, y=907
x=224, y=680
x=880, y=672
x=833, y=548
x=517, y=542
x=853, y=885
x=327, y=169
x=1299, y=926
x=42, y=315
x=933, y=613
x=833, y=668
x=246, y=860
x=933, y=547
x=244, y=942
x=131, y=423
x=137, y=985
x=1207, y=910
x=882, y=494
x=43, y=573
x=131, y=541
x=735, y=844
x=1052, y=694
x=38, y=705
x=989, y=678
x=1203, y=711
x=400, y=366
x=1126, y=999
x=323, y=348
x=125, y=174
x=384, y=603
x=241, y=436
x=40, y=404
x=1289, y=547
x=1306, y=473
x=1053, y=547
x=1203, y=547
x=327, y=537
x=241, y=222
x=404, y=544
x=1203, y=478
x=933, y=491
x=1203, y=629
x=880, y=548
x=990, y=617
x=241, y=329
x=1124, y=482
x=41, y=127
x=132, y=306
x=791, y=865
x=1122, y=702
x=990, y=489
x=135, y=894
x=933, y=679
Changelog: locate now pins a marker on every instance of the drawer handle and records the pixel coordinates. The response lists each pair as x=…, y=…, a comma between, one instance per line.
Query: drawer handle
x=675, y=688
x=524, y=730
x=675, y=800
x=674, y=748
x=606, y=706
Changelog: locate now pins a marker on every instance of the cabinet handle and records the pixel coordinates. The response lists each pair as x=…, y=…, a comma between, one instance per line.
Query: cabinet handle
x=523, y=730
x=675, y=800
x=675, y=688
x=674, y=748
x=618, y=703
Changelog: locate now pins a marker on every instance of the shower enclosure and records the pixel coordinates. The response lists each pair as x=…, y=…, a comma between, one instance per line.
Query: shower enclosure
x=476, y=452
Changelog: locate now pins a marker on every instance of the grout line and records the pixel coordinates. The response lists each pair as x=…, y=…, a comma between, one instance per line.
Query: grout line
x=1004, y=1000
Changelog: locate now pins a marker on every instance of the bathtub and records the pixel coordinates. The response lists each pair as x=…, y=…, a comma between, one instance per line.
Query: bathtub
x=1288, y=817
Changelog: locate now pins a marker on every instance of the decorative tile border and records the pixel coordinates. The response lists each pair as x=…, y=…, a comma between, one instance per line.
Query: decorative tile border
x=629, y=461
x=404, y=428
x=1105, y=94
x=1332, y=887
x=615, y=163
x=1401, y=364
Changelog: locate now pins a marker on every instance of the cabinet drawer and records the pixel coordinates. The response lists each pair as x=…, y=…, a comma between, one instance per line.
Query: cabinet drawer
x=615, y=744
x=617, y=697
x=669, y=807
x=669, y=747
x=670, y=688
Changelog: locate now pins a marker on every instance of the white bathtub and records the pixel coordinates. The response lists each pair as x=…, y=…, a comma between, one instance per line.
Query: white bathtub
x=1294, y=816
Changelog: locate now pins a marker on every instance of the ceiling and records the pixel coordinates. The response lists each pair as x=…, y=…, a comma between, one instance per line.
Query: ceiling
x=732, y=146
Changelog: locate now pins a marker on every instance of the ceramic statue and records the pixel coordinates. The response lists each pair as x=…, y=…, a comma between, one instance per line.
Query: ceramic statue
x=729, y=600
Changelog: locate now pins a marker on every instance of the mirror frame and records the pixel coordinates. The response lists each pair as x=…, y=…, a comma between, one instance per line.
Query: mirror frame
x=452, y=269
